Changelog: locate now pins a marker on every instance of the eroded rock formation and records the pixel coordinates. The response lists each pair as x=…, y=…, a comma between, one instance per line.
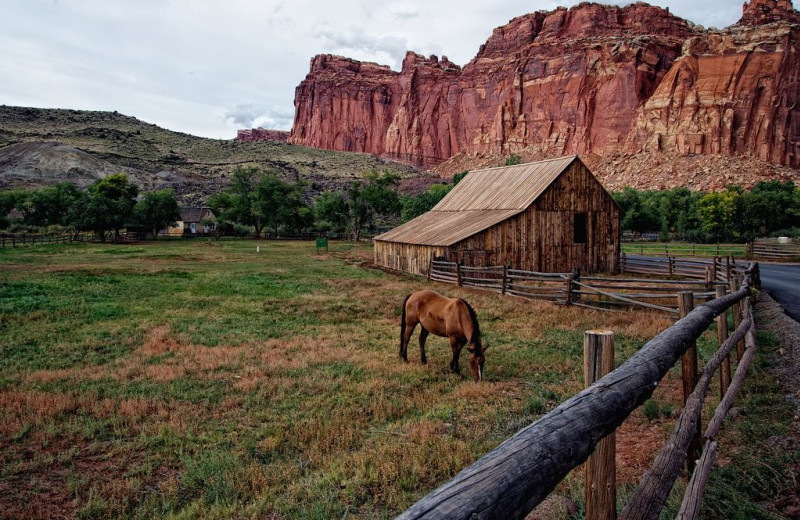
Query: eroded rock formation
x=594, y=79
x=262, y=134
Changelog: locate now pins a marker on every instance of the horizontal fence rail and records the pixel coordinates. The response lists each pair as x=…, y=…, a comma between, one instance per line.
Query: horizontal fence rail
x=774, y=250
x=603, y=293
x=513, y=478
x=684, y=250
x=42, y=239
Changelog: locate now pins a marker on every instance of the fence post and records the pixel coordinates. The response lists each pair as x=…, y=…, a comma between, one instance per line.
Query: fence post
x=622, y=258
x=430, y=268
x=736, y=309
x=600, y=472
x=689, y=372
x=505, y=279
x=569, y=290
x=722, y=335
x=671, y=264
x=458, y=274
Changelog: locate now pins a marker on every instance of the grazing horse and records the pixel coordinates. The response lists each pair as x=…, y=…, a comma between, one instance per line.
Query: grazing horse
x=447, y=317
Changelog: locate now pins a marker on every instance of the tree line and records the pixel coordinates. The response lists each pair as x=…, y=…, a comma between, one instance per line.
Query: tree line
x=771, y=208
x=257, y=202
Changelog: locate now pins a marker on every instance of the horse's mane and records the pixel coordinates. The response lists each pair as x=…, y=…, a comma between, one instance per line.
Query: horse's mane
x=476, y=329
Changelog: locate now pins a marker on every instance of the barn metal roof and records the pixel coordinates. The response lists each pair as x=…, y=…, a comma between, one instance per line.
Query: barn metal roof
x=481, y=200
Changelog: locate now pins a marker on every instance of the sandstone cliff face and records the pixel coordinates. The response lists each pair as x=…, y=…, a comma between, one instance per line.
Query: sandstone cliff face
x=594, y=79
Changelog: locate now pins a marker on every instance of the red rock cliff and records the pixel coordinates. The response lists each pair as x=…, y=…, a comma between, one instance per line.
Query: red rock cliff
x=592, y=79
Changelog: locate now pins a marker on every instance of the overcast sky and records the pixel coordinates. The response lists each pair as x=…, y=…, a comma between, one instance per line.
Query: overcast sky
x=210, y=67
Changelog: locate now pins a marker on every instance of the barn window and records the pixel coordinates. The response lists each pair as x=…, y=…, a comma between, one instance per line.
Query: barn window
x=579, y=228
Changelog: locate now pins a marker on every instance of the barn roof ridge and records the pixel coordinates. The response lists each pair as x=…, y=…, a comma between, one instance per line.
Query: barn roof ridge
x=551, y=159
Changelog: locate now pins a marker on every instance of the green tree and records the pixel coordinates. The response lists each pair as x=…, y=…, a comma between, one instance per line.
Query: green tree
x=769, y=207
x=639, y=213
x=330, y=211
x=108, y=206
x=157, y=210
x=513, y=160
x=677, y=208
x=259, y=201
x=8, y=202
x=718, y=215
x=415, y=205
x=51, y=205
x=360, y=206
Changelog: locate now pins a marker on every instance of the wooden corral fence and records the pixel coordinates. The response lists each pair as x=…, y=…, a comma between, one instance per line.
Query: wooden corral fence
x=42, y=239
x=706, y=269
x=775, y=249
x=684, y=250
x=604, y=293
x=513, y=478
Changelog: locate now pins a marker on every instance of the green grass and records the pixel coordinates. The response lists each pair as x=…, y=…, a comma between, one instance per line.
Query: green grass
x=202, y=379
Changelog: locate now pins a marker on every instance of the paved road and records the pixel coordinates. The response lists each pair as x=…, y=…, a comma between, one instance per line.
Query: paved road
x=782, y=282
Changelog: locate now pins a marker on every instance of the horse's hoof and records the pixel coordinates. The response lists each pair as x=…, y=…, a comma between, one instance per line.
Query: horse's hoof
x=424, y=361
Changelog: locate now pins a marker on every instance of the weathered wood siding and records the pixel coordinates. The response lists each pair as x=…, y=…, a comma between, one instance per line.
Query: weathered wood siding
x=542, y=237
x=410, y=258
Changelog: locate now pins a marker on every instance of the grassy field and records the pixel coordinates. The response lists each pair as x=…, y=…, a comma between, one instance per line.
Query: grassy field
x=201, y=379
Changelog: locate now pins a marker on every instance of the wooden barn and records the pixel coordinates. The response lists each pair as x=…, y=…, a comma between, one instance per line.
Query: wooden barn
x=547, y=216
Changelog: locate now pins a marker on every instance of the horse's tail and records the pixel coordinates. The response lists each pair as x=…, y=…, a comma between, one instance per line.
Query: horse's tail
x=403, y=323
x=475, y=339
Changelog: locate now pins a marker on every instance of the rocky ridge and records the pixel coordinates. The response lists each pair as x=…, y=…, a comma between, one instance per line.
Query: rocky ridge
x=611, y=83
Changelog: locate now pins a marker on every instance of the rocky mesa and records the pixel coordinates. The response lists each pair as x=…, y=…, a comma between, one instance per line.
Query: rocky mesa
x=597, y=80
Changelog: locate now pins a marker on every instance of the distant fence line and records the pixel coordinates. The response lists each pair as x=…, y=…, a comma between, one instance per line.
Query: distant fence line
x=43, y=239
x=775, y=249
x=681, y=249
x=604, y=293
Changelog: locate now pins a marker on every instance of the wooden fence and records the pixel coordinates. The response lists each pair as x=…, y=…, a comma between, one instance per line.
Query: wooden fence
x=604, y=293
x=42, y=239
x=706, y=269
x=513, y=478
x=684, y=250
x=773, y=249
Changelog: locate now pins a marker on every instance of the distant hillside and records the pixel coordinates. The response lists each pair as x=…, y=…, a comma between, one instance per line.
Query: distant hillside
x=44, y=146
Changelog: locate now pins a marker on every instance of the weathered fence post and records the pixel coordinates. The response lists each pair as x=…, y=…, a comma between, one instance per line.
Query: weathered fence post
x=622, y=259
x=505, y=279
x=430, y=268
x=458, y=274
x=689, y=372
x=722, y=335
x=569, y=290
x=671, y=264
x=600, y=472
x=736, y=309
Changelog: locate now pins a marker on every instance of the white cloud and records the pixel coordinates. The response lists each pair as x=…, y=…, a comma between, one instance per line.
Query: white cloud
x=208, y=67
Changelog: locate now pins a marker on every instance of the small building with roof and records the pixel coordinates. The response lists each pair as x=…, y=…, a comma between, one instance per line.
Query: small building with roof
x=546, y=216
x=194, y=221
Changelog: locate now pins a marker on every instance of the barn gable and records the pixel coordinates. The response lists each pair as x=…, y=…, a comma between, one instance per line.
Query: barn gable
x=546, y=216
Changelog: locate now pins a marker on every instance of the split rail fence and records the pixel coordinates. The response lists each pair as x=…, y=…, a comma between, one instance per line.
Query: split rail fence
x=513, y=478
x=765, y=249
x=702, y=277
x=44, y=239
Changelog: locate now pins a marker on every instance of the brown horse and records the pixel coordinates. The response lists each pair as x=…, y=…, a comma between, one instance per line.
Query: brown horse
x=447, y=317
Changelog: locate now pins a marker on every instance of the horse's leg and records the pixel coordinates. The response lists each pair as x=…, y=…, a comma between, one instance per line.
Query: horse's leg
x=406, y=337
x=423, y=335
x=456, y=344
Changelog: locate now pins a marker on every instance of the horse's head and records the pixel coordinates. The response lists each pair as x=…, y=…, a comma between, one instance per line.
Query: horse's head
x=476, y=360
